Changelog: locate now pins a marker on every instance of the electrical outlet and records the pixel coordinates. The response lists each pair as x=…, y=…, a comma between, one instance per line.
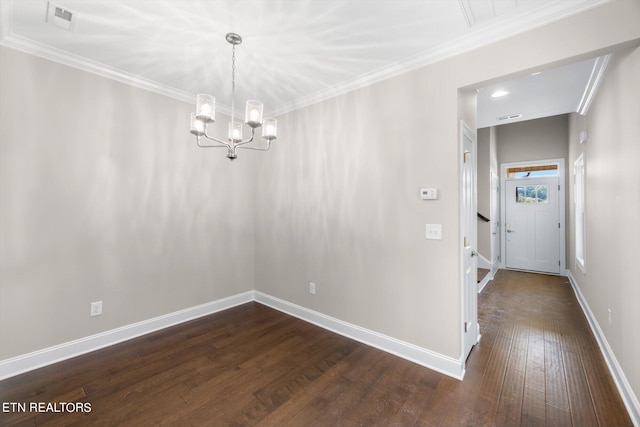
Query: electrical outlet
x=312, y=288
x=96, y=308
x=610, y=313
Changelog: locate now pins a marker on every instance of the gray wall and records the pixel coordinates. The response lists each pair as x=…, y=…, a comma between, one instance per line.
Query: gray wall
x=533, y=140
x=484, y=193
x=341, y=205
x=612, y=206
x=104, y=197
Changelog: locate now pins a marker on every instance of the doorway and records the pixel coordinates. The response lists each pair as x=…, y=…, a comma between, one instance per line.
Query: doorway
x=533, y=200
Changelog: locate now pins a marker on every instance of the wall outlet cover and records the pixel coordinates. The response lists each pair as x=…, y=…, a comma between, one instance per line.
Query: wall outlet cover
x=96, y=308
x=433, y=231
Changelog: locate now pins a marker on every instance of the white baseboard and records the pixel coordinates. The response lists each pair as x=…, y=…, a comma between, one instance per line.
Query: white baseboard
x=427, y=358
x=628, y=396
x=485, y=280
x=37, y=359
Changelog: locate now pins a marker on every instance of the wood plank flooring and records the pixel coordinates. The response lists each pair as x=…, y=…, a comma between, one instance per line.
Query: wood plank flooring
x=537, y=364
x=481, y=273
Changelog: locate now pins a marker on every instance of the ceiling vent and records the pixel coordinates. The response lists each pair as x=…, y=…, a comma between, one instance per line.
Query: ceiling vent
x=60, y=17
x=510, y=117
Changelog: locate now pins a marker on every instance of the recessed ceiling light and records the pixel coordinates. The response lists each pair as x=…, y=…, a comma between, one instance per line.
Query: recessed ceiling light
x=499, y=93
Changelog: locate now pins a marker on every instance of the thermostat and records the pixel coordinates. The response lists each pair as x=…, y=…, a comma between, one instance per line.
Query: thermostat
x=428, y=193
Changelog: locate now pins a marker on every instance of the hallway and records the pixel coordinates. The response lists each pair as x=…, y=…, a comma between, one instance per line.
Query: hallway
x=538, y=359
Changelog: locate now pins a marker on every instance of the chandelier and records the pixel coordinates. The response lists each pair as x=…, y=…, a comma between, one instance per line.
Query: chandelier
x=206, y=110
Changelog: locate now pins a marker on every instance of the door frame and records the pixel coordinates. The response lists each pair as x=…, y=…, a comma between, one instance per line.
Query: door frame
x=560, y=162
x=496, y=249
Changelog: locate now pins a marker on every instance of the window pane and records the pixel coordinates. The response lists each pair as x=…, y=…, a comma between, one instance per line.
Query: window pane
x=532, y=194
x=534, y=174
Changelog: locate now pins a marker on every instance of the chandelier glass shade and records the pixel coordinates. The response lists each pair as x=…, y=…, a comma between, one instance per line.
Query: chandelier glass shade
x=205, y=115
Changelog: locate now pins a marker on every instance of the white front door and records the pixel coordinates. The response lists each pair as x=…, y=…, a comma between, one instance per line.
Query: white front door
x=532, y=224
x=469, y=231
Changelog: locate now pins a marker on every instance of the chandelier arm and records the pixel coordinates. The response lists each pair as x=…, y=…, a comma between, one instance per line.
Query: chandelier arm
x=226, y=144
x=210, y=146
x=253, y=133
x=258, y=148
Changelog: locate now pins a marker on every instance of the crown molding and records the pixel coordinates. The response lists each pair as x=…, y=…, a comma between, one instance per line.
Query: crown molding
x=595, y=79
x=479, y=36
x=47, y=52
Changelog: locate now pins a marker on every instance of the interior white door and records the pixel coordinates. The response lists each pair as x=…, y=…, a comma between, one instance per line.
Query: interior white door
x=495, y=220
x=532, y=225
x=469, y=231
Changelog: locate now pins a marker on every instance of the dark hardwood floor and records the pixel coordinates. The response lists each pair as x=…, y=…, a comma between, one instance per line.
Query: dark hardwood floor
x=537, y=364
x=481, y=273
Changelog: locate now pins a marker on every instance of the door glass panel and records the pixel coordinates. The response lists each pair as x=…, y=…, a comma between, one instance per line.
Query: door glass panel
x=532, y=194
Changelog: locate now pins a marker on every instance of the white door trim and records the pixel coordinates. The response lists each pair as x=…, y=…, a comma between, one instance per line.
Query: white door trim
x=560, y=162
x=496, y=255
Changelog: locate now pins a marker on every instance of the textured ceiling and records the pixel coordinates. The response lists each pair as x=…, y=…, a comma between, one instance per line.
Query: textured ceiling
x=295, y=52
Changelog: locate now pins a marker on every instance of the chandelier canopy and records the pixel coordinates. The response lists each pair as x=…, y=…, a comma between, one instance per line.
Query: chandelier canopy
x=206, y=110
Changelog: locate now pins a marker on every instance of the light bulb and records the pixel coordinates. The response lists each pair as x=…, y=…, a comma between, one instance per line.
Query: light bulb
x=270, y=128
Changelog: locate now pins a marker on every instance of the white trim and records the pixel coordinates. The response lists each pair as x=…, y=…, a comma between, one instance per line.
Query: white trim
x=38, y=359
x=562, y=194
x=595, y=79
x=75, y=61
x=628, y=397
x=487, y=278
x=427, y=358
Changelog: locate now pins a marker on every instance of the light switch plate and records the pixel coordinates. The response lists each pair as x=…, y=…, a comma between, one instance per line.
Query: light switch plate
x=434, y=231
